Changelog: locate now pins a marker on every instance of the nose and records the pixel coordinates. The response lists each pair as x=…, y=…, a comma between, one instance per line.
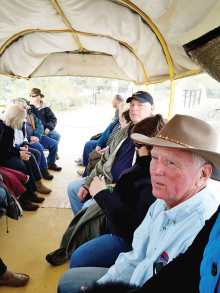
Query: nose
x=157, y=168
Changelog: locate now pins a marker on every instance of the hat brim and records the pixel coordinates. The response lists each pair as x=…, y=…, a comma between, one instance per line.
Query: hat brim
x=137, y=98
x=213, y=157
x=32, y=93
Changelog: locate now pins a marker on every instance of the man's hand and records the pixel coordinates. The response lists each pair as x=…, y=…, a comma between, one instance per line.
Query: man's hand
x=97, y=185
x=82, y=192
x=47, y=131
x=34, y=139
x=98, y=148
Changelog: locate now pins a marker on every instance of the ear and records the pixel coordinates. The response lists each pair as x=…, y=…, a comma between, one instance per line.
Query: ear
x=204, y=173
x=152, y=108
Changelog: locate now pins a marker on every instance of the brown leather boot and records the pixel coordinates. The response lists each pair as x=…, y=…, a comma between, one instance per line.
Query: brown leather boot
x=42, y=188
x=14, y=279
x=28, y=205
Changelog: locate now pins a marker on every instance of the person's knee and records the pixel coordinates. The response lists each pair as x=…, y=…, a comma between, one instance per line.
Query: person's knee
x=71, y=189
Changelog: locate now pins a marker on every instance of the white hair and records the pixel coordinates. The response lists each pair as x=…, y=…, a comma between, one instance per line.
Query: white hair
x=198, y=160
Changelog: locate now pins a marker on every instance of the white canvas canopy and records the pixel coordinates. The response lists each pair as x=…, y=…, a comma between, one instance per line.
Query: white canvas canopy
x=140, y=40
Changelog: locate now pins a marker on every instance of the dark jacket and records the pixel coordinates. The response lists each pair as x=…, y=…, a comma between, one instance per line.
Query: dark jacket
x=130, y=200
x=6, y=143
x=46, y=116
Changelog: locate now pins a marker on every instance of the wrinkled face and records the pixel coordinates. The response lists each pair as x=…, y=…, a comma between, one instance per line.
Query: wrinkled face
x=173, y=175
x=139, y=111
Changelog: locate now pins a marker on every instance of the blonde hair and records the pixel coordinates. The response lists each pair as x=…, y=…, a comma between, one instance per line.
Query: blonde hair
x=14, y=116
x=17, y=101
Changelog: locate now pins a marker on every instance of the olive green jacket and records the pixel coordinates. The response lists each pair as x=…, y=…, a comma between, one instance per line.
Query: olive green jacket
x=104, y=166
x=88, y=224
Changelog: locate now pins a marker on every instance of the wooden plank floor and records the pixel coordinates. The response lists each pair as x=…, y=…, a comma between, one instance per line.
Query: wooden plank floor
x=30, y=238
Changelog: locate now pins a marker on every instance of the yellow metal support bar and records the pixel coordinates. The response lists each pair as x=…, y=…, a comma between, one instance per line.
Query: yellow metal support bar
x=172, y=95
x=157, y=32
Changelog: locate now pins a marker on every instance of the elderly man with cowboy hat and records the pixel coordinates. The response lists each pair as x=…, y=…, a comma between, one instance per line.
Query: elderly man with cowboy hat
x=184, y=157
x=47, y=118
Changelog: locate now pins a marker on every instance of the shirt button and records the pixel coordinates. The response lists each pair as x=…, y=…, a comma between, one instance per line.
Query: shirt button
x=214, y=269
x=164, y=228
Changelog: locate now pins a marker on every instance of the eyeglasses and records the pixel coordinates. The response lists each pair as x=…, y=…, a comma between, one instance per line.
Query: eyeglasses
x=33, y=96
x=139, y=145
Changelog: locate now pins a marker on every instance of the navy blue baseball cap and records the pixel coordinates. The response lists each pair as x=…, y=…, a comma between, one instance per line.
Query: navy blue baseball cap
x=142, y=97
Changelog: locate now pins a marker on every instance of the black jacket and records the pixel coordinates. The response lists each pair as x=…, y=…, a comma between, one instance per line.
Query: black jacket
x=46, y=116
x=130, y=200
x=7, y=150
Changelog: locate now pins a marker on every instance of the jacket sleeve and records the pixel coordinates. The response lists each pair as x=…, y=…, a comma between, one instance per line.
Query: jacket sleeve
x=51, y=119
x=117, y=140
x=124, y=217
x=39, y=129
x=98, y=168
x=6, y=145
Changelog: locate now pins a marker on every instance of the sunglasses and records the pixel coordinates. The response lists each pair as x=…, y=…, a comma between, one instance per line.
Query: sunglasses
x=139, y=145
x=33, y=96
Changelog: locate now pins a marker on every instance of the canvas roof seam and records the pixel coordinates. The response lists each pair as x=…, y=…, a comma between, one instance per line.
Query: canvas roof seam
x=60, y=12
x=17, y=35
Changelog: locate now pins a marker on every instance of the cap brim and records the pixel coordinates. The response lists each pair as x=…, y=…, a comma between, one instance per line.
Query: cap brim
x=213, y=157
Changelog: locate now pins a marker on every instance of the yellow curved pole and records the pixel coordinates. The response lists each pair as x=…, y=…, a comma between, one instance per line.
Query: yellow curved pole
x=164, y=45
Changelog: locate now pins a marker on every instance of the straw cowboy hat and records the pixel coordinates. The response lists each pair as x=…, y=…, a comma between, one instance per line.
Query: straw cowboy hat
x=36, y=91
x=187, y=133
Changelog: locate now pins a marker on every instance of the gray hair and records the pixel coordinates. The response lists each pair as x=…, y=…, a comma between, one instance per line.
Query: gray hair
x=16, y=101
x=199, y=160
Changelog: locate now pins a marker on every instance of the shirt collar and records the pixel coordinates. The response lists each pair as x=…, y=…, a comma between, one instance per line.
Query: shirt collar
x=187, y=207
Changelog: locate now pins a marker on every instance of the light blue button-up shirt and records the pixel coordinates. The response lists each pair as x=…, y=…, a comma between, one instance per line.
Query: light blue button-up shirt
x=162, y=236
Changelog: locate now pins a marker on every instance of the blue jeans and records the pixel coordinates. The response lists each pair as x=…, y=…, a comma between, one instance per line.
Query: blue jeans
x=99, y=252
x=51, y=145
x=34, y=165
x=75, y=202
x=54, y=135
x=73, y=279
x=37, y=146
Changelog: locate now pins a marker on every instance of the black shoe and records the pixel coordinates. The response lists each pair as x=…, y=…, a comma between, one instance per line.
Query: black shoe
x=57, y=257
x=54, y=167
x=46, y=175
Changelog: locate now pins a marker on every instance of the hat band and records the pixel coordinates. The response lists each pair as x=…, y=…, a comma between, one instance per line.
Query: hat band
x=174, y=140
